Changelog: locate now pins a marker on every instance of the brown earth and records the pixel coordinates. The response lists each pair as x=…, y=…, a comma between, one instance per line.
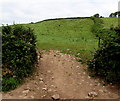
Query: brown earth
x=59, y=75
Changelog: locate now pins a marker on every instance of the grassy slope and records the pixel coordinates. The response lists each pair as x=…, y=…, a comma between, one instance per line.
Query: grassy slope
x=72, y=34
x=108, y=22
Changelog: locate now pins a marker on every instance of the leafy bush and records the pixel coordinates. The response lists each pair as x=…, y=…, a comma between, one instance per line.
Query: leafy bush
x=96, y=15
x=97, y=25
x=9, y=83
x=19, y=55
x=106, y=61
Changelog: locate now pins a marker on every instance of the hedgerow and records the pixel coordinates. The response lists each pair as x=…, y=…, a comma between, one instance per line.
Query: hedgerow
x=106, y=60
x=19, y=55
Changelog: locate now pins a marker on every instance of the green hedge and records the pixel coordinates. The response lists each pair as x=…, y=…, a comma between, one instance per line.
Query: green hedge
x=106, y=61
x=19, y=55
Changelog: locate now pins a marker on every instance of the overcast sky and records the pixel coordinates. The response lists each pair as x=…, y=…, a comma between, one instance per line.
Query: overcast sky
x=25, y=11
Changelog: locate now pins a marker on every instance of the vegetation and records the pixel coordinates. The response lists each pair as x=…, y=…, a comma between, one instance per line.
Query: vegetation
x=115, y=14
x=19, y=55
x=77, y=36
x=68, y=35
x=110, y=22
x=105, y=63
x=96, y=15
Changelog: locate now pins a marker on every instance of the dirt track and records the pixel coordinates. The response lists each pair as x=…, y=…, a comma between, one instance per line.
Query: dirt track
x=61, y=76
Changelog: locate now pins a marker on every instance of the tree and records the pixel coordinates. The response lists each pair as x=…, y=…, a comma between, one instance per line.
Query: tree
x=111, y=15
x=96, y=15
x=115, y=14
x=118, y=13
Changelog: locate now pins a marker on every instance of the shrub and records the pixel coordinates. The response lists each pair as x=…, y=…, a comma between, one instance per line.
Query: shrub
x=106, y=61
x=19, y=55
x=96, y=15
x=9, y=83
x=98, y=25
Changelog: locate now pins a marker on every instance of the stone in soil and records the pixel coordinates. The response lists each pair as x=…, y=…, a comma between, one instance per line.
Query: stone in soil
x=44, y=89
x=25, y=91
x=92, y=94
x=55, y=97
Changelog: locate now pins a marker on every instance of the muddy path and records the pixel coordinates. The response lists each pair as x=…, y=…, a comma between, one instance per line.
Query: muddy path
x=60, y=76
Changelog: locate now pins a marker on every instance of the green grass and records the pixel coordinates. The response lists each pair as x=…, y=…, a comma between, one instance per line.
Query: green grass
x=108, y=22
x=72, y=34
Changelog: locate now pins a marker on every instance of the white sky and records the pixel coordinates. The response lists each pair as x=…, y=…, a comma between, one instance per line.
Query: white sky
x=26, y=11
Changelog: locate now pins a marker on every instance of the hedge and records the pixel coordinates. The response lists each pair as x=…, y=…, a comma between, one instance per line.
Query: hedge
x=19, y=55
x=106, y=61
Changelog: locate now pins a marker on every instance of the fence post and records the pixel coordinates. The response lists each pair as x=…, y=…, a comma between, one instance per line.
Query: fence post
x=99, y=42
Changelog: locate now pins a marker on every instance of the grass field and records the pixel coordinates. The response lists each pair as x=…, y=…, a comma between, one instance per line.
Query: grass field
x=71, y=36
x=108, y=22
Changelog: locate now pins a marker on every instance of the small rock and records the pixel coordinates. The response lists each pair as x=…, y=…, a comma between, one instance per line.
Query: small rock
x=49, y=90
x=52, y=78
x=98, y=84
x=49, y=71
x=25, y=91
x=80, y=83
x=52, y=86
x=43, y=96
x=32, y=97
x=91, y=84
x=36, y=74
x=92, y=94
x=27, y=88
x=84, y=73
x=108, y=92
x=101, y=90
x=89, y=77
x=65, y=84
x=110, y=83
x=55, y=90
x=77, y=66
x=25, y=95
x=38, y=57
x=41, y=79
x=55, y=97
x=44, y=89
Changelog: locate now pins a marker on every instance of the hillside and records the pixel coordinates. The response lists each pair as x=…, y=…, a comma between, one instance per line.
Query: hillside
x=108, y=22
x=69, y=35
x=72, y=36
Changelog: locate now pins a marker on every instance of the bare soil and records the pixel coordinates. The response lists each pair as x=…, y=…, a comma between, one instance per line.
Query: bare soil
x=59, y=75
